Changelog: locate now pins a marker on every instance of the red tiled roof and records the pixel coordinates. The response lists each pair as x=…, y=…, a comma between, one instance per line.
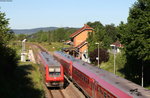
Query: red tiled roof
x=85, y=27
x=117, y=44
x=82, y=44
x=68, y=41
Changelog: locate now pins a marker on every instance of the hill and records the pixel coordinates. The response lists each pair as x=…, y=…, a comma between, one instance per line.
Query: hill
x=34, y=30
x=57, y=35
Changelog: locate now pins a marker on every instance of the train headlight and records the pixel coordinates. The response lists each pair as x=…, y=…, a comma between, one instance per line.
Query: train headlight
x=57, y=69
x=51, y=69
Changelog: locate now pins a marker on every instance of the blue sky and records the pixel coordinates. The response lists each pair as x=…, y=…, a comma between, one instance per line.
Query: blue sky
x=26, y=14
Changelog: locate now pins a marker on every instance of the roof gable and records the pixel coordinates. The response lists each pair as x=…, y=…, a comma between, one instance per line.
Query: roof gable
x=85, y=27
x=117, y=44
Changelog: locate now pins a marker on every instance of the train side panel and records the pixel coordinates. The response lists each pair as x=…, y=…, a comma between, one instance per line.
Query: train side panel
x=89, y=78
x=83, y=81
x=100, y=92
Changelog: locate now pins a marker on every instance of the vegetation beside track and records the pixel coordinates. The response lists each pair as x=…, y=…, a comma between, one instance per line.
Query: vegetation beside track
x=24, y=82
x=120, y=63
x=53, y=46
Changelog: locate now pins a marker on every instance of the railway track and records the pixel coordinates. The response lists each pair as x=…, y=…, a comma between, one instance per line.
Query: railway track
x=56, y=93
x=61, y=93
x=69, y=91
x=52, y=92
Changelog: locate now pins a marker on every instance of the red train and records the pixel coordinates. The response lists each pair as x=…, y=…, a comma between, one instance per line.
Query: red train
x=98, y=83
x=53, y=70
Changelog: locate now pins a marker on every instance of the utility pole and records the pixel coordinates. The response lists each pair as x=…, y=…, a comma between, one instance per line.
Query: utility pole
x=49, y=38
x=114, y=62
x=142, y=75
x=98, y=54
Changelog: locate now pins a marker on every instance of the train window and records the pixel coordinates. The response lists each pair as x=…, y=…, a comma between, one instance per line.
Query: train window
x=54, y=72
x=75, y=71
x=90, y=83
x=86, y=80
x=100, y=90
x=78, y=74
x=105, y=95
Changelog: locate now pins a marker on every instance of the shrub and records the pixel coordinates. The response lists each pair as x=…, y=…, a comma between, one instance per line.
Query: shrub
x=103, y=56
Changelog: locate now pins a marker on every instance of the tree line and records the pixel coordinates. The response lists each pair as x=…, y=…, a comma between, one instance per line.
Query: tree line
x=58, y=35
x=8, y=58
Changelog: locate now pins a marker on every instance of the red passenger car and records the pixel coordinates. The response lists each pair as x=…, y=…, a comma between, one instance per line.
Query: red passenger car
x=84, y=76
x=53, y=70
x=98, y=83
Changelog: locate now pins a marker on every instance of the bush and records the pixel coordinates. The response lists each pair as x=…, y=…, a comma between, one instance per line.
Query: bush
x=103, y=56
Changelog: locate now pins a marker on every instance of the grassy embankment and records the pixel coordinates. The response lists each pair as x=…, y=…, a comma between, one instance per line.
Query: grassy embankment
x=120, y=63
x=25, y=82
x=54, y=46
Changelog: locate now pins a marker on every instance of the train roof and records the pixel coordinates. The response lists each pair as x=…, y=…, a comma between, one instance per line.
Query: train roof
x=49, y=59
x=65, y=56
x=106, y=78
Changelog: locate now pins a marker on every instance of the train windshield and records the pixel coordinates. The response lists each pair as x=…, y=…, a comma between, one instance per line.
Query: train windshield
x=54, y=72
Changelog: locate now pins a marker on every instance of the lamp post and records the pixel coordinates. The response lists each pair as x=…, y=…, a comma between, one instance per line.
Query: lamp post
x=114, y=52
x=98, y=53
x=114, y=59
x=23, y=45
x=23, y=51
x=142, y=75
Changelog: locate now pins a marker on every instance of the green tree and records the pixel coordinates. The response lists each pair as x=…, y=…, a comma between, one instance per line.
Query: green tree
x=137, y=40
x=110, y=35
x=105, y=35
x=7, y=55
x=96, y=36
x=4, y=35
x=21, y=37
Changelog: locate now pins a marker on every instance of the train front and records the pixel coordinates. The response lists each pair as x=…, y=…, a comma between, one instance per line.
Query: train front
x=54, y=76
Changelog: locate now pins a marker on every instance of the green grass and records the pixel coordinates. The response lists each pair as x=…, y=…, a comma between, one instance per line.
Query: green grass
x=35, y=75
x=17, y=46
x=120, y=63
x=148, y=87
x=54, y=46
x=24, y=82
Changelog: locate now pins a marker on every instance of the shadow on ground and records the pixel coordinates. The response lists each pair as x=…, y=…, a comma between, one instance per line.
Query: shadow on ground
x=19, y=85
x=133, y=71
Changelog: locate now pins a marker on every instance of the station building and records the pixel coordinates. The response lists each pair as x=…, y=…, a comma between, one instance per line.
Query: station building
x=79, y=48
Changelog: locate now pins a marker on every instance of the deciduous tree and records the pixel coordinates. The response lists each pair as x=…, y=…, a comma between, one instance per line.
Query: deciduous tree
x=136, y=39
